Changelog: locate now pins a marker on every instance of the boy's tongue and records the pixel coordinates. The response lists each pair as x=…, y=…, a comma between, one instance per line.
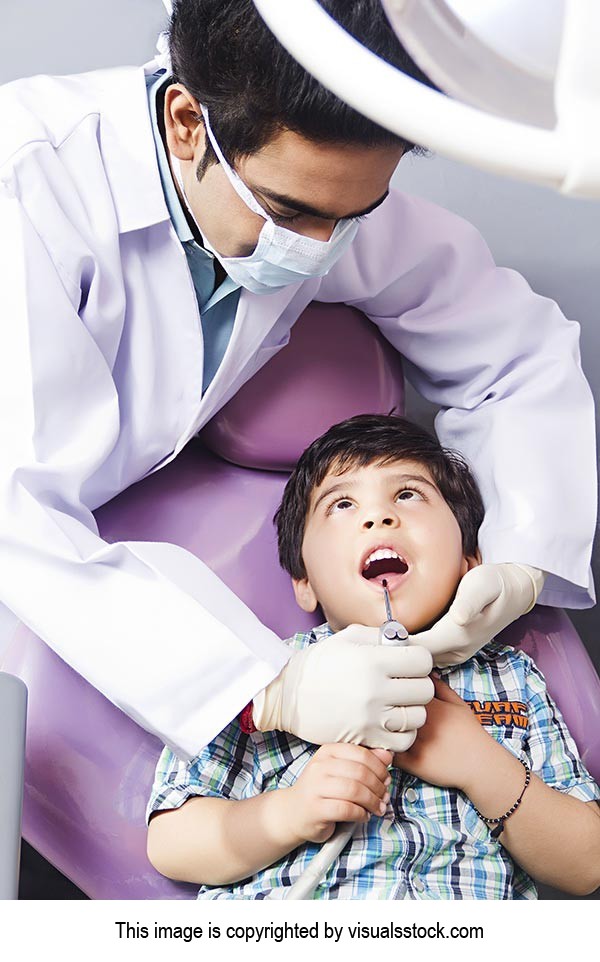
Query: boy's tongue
x=385, y=569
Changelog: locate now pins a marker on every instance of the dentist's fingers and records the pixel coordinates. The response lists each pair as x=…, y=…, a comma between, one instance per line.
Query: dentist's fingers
x=339, y=689
x=405, y=661
x=395, y=741
x=405, y=692
x=475, y=593
x=405, y=719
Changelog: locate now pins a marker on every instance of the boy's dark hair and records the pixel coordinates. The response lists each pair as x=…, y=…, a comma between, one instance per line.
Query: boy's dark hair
x=228, y=59
x=368, y=439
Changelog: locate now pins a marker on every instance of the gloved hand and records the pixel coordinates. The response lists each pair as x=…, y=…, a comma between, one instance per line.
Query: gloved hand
x=488, y=598
x=350, y=688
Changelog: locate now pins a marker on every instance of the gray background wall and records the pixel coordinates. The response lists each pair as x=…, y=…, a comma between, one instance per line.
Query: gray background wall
x=553, y=241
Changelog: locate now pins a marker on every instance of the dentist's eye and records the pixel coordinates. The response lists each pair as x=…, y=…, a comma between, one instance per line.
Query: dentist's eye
x=283, y=220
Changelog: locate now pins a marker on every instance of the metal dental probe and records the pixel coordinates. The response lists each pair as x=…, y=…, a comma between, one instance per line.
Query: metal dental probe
x=390, y=633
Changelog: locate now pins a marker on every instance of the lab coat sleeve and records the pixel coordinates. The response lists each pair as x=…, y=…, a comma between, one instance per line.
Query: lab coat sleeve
x=503, y=364
x=149, y=625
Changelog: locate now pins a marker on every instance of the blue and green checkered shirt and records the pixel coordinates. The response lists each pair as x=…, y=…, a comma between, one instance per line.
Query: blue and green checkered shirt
x=430, y=844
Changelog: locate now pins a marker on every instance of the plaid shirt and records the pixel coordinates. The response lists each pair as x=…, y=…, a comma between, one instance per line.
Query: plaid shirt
x=430, y=844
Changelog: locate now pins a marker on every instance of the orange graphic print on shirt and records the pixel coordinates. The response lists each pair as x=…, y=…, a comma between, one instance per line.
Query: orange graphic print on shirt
x=511, y=714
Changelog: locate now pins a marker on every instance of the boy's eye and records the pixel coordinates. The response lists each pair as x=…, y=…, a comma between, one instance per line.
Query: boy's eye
x=409, y=494
x=341, y=504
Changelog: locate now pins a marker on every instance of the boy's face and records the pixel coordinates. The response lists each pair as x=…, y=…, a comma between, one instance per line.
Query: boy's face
x=366, y=512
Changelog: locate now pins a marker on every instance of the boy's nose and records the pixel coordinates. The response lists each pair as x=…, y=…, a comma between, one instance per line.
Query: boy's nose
x=383, y=519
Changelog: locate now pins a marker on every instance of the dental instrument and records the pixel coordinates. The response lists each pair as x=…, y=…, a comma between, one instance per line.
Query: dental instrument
x=392, y=632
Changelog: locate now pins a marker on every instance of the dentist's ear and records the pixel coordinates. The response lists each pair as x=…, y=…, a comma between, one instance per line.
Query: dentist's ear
x=305, y=596
x=184, y=126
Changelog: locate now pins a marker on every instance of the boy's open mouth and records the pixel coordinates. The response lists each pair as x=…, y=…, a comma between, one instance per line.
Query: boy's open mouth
x=383, y=564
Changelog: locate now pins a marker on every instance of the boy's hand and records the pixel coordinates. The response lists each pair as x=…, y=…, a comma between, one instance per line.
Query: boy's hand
x=450, y=746
x=341, y=783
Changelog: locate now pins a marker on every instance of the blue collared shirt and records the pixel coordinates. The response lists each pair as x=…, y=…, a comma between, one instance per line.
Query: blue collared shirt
x=217, y=307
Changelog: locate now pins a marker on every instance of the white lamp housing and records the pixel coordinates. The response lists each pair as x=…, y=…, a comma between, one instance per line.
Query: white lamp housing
x=522, y=78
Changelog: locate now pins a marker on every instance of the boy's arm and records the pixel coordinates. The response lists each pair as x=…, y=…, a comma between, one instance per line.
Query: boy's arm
x=218, y=841
x=554, y=836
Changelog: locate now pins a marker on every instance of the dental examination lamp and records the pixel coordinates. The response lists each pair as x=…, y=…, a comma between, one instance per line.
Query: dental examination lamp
x=519, y=80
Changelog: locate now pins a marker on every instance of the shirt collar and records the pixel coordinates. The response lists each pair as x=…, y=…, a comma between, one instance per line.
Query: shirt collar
x=155, y=83
x=488, y=653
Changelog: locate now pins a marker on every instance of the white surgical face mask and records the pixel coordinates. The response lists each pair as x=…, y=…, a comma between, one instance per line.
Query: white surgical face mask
x=281, y=257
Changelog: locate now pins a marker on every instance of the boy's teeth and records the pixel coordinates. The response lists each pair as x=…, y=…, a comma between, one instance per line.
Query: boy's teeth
x=379, y=554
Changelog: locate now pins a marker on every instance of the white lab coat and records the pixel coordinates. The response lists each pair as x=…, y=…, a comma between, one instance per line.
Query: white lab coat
x=100, y=384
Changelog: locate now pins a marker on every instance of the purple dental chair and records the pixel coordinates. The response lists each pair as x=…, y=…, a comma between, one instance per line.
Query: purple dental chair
x=89, y=767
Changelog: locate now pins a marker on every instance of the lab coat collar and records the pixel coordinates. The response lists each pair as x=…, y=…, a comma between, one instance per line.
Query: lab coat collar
x=128, y=148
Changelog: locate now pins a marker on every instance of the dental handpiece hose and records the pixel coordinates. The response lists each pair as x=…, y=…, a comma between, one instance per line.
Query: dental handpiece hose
x=390, y=633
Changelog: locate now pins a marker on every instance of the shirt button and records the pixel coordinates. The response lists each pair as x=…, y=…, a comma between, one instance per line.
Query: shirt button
x=410, y=795
x=419, y=886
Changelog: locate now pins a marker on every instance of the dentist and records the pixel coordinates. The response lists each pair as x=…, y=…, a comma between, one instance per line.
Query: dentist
x=161, y=229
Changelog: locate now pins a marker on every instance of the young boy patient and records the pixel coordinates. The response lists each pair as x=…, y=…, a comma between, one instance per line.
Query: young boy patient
x=376, y=498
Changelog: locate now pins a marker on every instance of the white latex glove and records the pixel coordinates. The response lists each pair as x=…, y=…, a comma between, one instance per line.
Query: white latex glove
x=488, y=598
x=350, y=688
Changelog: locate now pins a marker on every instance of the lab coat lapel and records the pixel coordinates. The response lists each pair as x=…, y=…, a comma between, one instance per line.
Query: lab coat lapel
x=126, y=121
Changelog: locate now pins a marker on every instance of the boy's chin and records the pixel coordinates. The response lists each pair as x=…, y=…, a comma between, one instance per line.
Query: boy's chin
x=425, y=626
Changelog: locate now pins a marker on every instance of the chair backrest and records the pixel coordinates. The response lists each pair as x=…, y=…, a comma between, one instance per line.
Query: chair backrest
x=89, y=767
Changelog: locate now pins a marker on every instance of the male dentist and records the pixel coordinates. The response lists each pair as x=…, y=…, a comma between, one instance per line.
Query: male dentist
x=161, y=229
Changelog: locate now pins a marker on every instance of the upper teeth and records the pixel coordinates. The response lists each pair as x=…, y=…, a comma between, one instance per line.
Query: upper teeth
x=381, y=553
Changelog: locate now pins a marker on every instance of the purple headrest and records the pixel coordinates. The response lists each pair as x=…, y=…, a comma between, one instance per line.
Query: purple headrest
x=337, y=364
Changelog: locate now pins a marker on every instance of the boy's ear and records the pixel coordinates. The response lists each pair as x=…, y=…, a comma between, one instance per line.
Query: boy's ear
x=471, y=561
x=305, y=596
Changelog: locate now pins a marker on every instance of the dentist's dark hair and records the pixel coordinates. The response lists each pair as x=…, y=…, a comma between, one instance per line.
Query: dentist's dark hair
x=228, y=59
x=374, y=439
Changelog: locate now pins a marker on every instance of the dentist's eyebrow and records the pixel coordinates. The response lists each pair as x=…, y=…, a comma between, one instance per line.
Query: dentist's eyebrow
x=300, y=207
